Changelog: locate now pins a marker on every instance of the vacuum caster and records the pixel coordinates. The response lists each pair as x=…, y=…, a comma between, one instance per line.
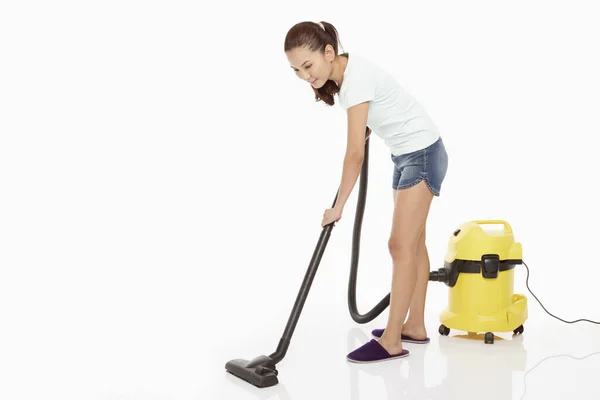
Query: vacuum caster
x=444, y=330
x=489, y=338
x=519, y=330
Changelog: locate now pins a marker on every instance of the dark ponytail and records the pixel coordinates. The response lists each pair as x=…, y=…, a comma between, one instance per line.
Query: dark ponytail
x=311, y=35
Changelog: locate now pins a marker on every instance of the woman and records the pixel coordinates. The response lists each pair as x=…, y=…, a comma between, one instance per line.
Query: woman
x=373, y=98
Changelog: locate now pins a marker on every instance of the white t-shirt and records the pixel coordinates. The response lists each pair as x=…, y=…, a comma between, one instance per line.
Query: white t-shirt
x=394, y=114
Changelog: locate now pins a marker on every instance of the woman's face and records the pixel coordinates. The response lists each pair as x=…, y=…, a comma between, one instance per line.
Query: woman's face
x=312, y=66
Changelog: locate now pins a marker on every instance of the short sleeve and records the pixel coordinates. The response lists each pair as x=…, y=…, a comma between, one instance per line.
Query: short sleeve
x=356, y=91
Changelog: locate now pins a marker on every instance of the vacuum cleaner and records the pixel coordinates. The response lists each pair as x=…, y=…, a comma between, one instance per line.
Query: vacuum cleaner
x=478, y=269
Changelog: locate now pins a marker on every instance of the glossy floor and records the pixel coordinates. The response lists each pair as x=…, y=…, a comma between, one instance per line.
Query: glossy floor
x=551, y=360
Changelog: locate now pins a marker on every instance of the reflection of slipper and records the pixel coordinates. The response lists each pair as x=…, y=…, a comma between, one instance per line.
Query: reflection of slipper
x=372, y=352
x=378, y=332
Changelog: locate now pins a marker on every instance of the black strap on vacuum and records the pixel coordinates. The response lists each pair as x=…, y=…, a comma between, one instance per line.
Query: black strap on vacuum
x=489, y=267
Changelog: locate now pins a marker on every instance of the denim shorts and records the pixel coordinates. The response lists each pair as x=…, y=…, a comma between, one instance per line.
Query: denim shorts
x=429, y=164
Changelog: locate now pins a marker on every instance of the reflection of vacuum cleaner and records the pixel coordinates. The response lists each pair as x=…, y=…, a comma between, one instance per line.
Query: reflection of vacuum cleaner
x=496, y=377
x=478, y=268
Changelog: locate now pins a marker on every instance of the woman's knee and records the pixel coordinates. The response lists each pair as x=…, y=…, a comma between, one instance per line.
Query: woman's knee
x=422, y=246
x=402, y=247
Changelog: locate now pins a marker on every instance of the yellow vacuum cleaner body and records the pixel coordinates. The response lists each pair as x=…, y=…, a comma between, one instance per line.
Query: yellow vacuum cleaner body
x=479, y=270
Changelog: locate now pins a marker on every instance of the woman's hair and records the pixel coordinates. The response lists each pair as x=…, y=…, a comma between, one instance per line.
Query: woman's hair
x=312, y=35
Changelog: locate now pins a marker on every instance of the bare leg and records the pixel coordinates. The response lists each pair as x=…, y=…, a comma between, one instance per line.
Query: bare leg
x=410, y=215
x=414, y=326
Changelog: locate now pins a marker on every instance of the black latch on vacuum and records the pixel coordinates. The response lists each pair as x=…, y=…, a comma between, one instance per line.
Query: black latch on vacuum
x=490, y=264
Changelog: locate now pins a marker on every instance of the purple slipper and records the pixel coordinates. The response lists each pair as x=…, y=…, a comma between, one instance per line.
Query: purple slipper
x=378, y=332
x=372, y=352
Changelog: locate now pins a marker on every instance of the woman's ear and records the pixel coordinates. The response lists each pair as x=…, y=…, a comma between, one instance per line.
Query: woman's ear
x=329, y=53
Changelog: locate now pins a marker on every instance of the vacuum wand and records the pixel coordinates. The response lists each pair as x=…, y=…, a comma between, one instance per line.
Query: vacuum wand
x=261, y=371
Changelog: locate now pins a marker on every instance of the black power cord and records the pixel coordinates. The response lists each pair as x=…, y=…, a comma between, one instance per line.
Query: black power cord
x=560, y=319
x=568, y=322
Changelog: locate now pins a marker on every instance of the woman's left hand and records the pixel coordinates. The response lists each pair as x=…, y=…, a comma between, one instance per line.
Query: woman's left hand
x=331, y=215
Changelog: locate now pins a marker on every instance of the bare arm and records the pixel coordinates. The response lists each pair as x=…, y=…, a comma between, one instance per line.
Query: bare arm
x=355, y=151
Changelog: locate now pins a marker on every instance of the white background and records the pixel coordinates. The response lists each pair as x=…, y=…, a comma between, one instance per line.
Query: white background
x=163, y=174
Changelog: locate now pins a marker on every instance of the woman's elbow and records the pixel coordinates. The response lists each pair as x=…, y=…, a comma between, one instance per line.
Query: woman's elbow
x=355, y=157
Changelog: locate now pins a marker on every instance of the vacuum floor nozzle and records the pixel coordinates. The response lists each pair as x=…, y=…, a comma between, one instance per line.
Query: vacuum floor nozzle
x=260, y=372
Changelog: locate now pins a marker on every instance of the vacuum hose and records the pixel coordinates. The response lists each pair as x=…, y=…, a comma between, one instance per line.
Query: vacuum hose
x=261, y=371
x=441, y=275
x=360, y=210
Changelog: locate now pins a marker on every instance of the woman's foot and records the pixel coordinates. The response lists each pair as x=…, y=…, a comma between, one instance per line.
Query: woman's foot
x=410, y=334
x=390, y=346
x=415, y=332
x=373, y=351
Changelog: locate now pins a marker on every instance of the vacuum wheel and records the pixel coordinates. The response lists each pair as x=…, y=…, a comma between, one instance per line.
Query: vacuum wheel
x=444, y=330
x=519, y=330
x=489, y=338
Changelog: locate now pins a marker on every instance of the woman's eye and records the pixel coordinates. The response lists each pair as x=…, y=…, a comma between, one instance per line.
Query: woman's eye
x=309, y=66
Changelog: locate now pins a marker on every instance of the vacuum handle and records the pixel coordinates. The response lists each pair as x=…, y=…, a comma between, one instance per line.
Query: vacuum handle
x=507, y=227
